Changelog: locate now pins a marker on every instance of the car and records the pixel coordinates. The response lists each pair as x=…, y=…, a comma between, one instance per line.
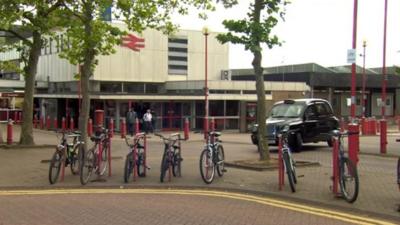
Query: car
x=311, y=120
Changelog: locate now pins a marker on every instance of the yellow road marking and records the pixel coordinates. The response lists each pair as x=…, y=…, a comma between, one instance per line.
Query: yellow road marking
x=346, y=217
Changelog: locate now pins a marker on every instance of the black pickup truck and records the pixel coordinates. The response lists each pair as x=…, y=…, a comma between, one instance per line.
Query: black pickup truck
x=312, y=119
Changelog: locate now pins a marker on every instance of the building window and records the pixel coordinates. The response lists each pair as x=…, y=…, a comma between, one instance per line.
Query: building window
x=137, y=88
x=110, y=87
x=177, y=56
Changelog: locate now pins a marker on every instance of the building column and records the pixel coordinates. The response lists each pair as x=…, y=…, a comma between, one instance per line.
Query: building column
x=117, y=114
x=192, y=121
x=330, y=94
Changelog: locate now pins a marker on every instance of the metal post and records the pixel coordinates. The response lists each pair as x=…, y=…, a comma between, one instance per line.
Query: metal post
x=335, y=172
x=280, y=164
x=205, y=32
x=364, y=98
x=353, y=65
x=384, y=82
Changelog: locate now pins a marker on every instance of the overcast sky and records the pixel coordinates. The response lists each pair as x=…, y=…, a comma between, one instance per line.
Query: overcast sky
x=318, y=31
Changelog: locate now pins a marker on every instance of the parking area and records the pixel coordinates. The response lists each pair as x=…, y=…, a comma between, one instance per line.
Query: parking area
x=379, y=193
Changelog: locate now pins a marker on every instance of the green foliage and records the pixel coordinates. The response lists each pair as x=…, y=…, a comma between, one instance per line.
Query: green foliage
x=20, y=18
x=252, y=31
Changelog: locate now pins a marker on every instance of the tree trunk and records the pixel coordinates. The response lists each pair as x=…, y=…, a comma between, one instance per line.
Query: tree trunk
x=258, y=71
x=26, y=137
x=86, y=74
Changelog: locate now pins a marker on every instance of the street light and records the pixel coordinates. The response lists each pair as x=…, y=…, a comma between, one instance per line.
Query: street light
x=205, y=32
x=364, y=97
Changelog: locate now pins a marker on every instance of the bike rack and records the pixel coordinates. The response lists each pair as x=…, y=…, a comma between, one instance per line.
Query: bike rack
x=109, y=155
x=281, y=172
x=335, y=169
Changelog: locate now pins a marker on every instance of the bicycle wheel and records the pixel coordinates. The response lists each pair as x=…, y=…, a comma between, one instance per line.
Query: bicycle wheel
x=140, y=165
x=207, y=169
x=104, y=159
x=55, y=166
x=294, y=171
x=129, y=168
x=164, y=166
x=177, y=165
x=220, y=160
x=87, y=166
x=289, y=171
x=74, y=160
x=348, y=180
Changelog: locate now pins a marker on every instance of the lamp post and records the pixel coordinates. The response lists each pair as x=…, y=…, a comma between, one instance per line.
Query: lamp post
x=353, y=126
x=364, y=97
x=205, y=33
x=384, y=82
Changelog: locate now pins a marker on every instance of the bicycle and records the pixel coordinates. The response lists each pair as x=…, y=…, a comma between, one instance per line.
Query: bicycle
x=212, y=158
x=135, y=161
x=172, y=158
x=348, y=176
x=287, y=159
x=66, y=154
x=97, y=157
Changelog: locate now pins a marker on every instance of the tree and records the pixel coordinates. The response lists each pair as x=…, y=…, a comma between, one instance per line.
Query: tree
x=91, y=36
x=28, y=21
x=252, y=32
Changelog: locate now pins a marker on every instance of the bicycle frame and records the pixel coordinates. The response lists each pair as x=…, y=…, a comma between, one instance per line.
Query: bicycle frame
x=134, y=148
x=170, y=151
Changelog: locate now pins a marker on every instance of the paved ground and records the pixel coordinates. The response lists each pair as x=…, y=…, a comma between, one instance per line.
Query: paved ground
x=379, y=195
x=157, y=206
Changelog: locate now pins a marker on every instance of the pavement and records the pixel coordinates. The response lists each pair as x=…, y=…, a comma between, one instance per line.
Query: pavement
x=27, y=168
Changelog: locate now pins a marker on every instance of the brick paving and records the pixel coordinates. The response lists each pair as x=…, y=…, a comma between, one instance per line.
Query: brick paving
x=379, y=194
x=145, y=209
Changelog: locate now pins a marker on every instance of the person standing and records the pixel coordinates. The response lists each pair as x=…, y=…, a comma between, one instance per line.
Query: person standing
x=130, y=120
x=147, y=118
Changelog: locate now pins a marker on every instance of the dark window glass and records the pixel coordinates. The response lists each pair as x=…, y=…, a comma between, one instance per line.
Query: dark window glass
x=177, y=40
x=177, y=58
x=175, y=49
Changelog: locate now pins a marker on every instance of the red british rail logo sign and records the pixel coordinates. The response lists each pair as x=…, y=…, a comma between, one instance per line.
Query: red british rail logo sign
x=133, y=42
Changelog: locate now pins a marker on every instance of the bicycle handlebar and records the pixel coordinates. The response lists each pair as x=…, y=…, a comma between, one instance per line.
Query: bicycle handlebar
x=170, y=138
x=337, y=133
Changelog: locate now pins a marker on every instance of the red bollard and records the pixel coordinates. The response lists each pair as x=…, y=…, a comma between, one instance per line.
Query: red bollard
x=212, y=124
x=363, y=126
x=63, y=124
x=186, y=129
x=99, y=118
x=354, y=143
x=48, y=123
x=71, y=124
x=281, y=175
x=9, y=132
x=41, y=122
x=123, y=128
x=335, y=163
x=111, y=127
x=383, y=125
x=55, y=123
x=372, y=126
x=90, y=127
x=137, y=126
